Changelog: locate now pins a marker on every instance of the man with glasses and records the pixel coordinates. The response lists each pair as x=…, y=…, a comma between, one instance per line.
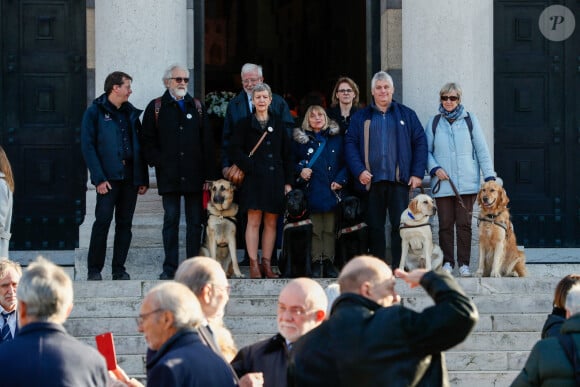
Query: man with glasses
x=168, y=317
x=302, y=305
x=371, y=340
x=177, y=141
x=112, y=152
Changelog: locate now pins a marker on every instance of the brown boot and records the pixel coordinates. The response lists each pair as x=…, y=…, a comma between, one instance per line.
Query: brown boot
x=267, y=269
x=255, y=269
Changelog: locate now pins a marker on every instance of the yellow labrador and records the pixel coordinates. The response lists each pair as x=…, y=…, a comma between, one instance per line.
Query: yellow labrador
x=220, y=238
x=417, y=247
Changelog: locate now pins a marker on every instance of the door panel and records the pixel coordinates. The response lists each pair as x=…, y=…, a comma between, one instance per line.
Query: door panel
x=44, y=89
x=534, y=153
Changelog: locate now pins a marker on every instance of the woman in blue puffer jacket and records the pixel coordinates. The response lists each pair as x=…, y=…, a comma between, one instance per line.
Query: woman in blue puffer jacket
x=322, y=174
x=456, y=150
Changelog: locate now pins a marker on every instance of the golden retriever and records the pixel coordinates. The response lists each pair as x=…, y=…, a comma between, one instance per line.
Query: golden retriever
x=220, y=238
x=498, y=252
x=417, y=247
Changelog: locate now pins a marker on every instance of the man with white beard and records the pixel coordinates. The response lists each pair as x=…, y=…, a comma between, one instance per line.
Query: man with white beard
x=302, y=307
x=177, y=141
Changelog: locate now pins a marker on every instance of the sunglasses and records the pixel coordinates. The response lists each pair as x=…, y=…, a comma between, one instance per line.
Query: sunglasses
x=344, y=91
x=180, y=79
x=451, y=98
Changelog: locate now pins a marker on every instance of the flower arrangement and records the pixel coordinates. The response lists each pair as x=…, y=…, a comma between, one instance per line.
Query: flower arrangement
x=217, y=102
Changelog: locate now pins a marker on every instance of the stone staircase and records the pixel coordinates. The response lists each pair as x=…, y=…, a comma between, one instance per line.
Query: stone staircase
x=512, y=310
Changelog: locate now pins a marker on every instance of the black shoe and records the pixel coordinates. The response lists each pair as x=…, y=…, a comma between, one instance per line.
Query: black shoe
x=166, y=276
x=94, y=277
x=121, y=276
x=317, y=269
x=245, y=261
x=329, y=269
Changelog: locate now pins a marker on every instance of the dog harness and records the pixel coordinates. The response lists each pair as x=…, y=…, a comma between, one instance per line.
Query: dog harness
x=348, y=230
x=230, y=218
x=405, y=225
x=490, y=218
x=297, y=224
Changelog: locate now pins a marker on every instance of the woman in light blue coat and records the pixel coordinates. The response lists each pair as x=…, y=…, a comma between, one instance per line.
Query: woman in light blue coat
x=6, y=190
x=456, y=150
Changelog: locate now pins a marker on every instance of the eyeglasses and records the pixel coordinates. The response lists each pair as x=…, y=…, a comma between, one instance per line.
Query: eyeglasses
x=250, y=80
x=139, y=320
x=344, y=91
x=295, y=311
x=452, y=98
x=225, y=288
x=180, y=79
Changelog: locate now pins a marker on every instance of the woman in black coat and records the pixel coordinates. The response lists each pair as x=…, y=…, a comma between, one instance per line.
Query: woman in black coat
x=268, y=174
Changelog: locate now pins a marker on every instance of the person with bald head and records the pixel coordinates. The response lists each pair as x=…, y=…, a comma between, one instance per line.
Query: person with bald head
x=302, y=306
x=372, y=340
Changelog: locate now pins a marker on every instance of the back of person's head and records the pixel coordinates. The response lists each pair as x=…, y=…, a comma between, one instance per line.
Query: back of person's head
x=573, y=300
x=359, y=270
x=197, y=272
x=6, y=264
x=180, y=301
x=563, y=288
x=46, y=291
x=115, y=78
x=6, y=169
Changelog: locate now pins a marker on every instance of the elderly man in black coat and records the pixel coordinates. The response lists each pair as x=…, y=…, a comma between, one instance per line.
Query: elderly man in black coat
x=177, y=141
x=370, y=341
x=302, y=306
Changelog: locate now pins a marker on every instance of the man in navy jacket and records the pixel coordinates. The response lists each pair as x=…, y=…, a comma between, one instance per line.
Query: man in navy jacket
x=392, y=162
x=111, y=149
x=43, y=353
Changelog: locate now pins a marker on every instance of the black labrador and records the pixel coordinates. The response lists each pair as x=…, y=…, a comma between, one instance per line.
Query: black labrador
x=351, y=230
x=296, y=256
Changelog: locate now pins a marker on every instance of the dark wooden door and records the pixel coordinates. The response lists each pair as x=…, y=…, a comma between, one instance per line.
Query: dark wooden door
x=43, y=94
x=537, y=122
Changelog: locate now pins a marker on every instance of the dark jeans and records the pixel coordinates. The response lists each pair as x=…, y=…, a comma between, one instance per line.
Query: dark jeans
x=383, y=196
x=450, y=214
x=193, y=218
x=121, y=199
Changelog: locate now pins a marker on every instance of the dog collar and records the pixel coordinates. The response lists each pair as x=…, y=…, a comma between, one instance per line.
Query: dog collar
x=348, y=230
x=410, y=214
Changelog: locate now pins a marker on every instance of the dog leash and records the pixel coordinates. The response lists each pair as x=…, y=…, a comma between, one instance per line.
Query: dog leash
x=437, y=187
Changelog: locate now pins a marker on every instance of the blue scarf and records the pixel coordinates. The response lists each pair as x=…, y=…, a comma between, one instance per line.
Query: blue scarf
x=453, y=114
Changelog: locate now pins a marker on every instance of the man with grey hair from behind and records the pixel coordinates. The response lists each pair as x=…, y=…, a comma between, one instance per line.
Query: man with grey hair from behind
x=552, y=360
x=43, y=353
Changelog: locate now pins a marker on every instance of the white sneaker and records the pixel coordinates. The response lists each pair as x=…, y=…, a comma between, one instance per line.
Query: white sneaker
x=447, y=267
x=464, y=271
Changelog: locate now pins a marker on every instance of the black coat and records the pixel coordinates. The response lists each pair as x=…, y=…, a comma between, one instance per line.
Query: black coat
x=364, y=344
x=267, y=356
x=268, y=169
x=181, y=150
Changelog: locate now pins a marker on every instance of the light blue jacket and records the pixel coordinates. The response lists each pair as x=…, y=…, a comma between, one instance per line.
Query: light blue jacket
x=453, y=150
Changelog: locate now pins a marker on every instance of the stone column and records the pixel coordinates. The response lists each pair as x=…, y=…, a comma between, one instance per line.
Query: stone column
x=141, y=38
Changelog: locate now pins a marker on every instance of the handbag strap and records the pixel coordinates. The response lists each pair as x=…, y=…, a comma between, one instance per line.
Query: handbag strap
x=570, y=350
x=366, y=130
x=255, y=148
x=317, y=153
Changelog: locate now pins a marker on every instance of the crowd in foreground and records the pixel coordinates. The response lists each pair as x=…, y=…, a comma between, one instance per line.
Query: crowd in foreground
x=363, y=337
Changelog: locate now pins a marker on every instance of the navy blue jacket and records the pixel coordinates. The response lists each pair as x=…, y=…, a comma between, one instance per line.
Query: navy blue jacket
x=329, y=166
x=186, y=362
x=411, y=143
x=101, y=143
x=43, y=354
x=238, y=109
